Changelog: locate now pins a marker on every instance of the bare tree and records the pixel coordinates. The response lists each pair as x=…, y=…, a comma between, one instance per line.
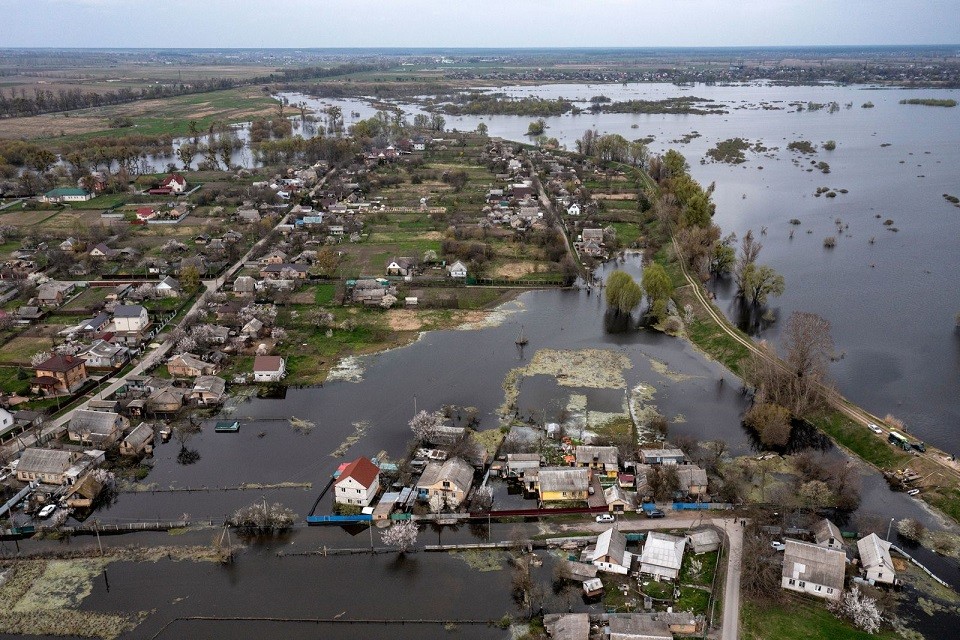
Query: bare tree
x=424, y=423
x=402, y=535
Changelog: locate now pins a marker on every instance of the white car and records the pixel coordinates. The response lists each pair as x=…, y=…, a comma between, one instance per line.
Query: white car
x=875, y=428
x=913, y=492
x=777, y=545
x=47, y=511
x=606, y=517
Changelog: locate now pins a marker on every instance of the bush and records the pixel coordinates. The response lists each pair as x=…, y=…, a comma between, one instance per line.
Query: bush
x=830, y=242
x=771, y=422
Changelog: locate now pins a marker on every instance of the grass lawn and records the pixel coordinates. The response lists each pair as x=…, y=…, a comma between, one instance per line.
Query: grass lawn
x=21, y=349
x=11, y=382
x=88, y=298
x=325, y=293
x=797, y=619
x=106, y=201
x=715, y=342
x=861, y=441
x=627, y=233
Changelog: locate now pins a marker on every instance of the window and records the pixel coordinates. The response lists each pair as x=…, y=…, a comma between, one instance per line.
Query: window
x=792, y=582
x=829, y=590
x=802, y=584
x=359, y=491
x=564, y=494
x=880, y=574
x=818, y=587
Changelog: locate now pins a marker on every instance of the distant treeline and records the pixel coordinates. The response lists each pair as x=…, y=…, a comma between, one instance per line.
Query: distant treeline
x=476, y=104
x=686, y=104
x=17, y=101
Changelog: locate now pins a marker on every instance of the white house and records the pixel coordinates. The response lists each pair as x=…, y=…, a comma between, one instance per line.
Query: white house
x=457, y=270
x=130, y=317
x=611, y=553
x=269, y=368
x=7, y=422
x=358, y=483
x=175, y=182
x=573, y=210
x=875, y=559
x=662, y=555
x=813, y=569
x=66, y=194
x=169, y=288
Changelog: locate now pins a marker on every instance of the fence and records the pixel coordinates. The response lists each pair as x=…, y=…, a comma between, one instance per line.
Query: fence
x=357, y=519
x=700, y=506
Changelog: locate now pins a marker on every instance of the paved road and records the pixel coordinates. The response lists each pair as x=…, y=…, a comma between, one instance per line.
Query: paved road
x=730, y=626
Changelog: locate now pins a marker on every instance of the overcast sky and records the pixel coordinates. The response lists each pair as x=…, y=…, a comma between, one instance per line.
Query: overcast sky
x=475, y=23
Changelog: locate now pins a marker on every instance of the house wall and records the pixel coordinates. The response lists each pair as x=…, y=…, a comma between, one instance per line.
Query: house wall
x=663, y=572
x=45, y=478
x=877, y=574
x=130, y=324
x=352, y=492
x=67, y=379
x=802, y=586
x=558, y=496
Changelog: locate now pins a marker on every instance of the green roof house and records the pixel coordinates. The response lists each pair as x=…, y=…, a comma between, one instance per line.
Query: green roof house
x=66, y=194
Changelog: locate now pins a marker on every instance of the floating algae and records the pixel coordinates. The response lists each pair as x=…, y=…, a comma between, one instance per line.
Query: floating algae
x=643, y=412
x=349, y=369
x=359, y=429
x=584, y=368
x=662, y=369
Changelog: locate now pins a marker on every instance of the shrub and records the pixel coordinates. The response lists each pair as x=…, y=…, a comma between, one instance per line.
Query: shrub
x=829, y=243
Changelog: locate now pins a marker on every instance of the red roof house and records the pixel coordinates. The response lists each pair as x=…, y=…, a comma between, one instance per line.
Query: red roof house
x=358, y=483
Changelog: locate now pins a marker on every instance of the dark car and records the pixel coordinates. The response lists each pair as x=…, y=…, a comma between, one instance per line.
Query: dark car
x=656, y=513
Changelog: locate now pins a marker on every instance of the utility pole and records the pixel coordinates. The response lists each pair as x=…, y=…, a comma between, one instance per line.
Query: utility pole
x=96, y=528
x=888, y=529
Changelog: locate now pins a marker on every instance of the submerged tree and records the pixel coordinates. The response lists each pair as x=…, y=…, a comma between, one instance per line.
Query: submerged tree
x=623, y=293
x=424, y=423
x=263, y=517
x=402, y=535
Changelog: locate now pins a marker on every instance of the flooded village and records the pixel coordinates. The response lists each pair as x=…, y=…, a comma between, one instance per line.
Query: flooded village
x=352, y=392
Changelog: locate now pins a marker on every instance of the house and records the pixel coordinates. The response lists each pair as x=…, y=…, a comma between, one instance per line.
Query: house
x=131, y=318
x=592, y=235
x=145, y=213
x=638, y=626
x=244, y=284
x=662, y=456
x=175, y=183
x=268, y=368
x=602, y=459
x=168, y=288
x=59, y=374
x=96, y=324
x=119, y=292
x=358, y=483
x=165, y=399
x=250, y=216
x=561, y=484
x=97, y=428
x=610, y=553
x=827, y=534
x=812, y=569
x=189, y=366
x=49, y=466
x=52, y=294
x=66, y=194
x=875, y=560
x=103, y=252
x=693, y=480
x=208, y=390
x=662, y=555
x=519, y=463
x=703, y=541
x=400, y=267
x=285, y=271
x=567, y=626
x=457, y=270
x=28, y=314
x=138, y=441
x=445, y=485
x=252, y=329
x=573, y=210
x=8, y=423
x=618, y=500
x=104, y=355
x=274, y=257
x=70, y=245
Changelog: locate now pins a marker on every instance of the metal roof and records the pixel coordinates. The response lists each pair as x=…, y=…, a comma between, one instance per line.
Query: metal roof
x=662, y=550
x=813, y=563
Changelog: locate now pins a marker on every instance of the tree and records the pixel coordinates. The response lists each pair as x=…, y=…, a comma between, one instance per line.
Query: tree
x=39, y=358
x=537, y=127
x=911, y=529
x=424, y=423
x=482, y=129
x=262, y=517
x=674, y=164
x=862, y=611
x=402, y=535
x=749, y=251
x=761, y=282
x=190, y=278
x=771, y=422
x=762, y=566
x=623, y=293
x=814, y=494
x=664, y=481
x=808, y=345
x=659, y=289
x=722, y=259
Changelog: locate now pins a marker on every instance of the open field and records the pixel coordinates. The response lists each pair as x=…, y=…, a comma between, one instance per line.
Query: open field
x=797, y=619
x=150, y=117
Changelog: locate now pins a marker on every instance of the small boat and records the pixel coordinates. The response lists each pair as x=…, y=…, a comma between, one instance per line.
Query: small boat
x=227, y=426
x=521, y=339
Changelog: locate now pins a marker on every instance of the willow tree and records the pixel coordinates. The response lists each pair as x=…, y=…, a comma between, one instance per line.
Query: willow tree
x=659, y=288
x=623, y=293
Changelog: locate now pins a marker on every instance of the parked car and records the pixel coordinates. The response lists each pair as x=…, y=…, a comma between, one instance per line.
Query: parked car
x=606, y=517
x=919, y=446
x=656, y=513
x=777, y=545
x=875, y=428
x=47, y=511
x=913, y=492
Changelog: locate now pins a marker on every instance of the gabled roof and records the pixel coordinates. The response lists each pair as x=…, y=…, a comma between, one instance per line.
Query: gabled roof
x=267, y=364
x=610, y=543
x=128, y=311
x=455, y=471
x=638, y=626
x=875, y=553
x=663, y=550
x=170, y=282
x=94, y=422
x=587, y=454
x=564, y=479
x=813, y=563
x=567, y=626
x=824, y=530
x=188, y=360
x=142, y=434
x=60, y=364
x=173, y=178
x=210, y=384
x=362, y=470
x=35, y=460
